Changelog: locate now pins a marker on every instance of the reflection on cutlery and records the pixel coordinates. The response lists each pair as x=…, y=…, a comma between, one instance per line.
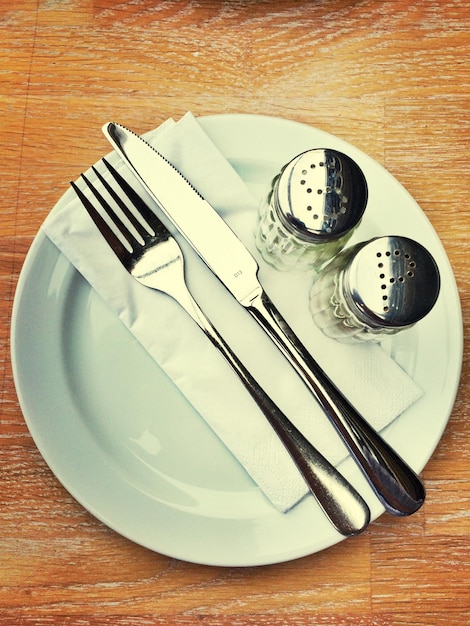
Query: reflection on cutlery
x=394, y=482
x=153, y=257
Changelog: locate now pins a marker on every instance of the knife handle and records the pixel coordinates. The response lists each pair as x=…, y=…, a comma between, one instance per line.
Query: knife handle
x=395, y=484
x=340, y=502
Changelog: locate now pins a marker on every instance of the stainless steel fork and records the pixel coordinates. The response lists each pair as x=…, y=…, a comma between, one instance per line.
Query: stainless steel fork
x=154, y=258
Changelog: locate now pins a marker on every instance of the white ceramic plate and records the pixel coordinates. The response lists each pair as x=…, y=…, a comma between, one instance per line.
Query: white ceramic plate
x=129, y=447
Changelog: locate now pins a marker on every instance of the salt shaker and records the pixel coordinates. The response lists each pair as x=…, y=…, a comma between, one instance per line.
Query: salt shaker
x=375, y=289
x=311, y=210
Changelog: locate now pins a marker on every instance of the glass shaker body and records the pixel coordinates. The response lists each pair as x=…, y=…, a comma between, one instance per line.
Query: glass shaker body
x=311, y=210
x=375, y=289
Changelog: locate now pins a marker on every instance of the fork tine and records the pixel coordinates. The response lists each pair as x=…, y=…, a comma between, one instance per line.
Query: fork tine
x=125, y=232
x=100, y=223
x=143, y=232
x=145, y=211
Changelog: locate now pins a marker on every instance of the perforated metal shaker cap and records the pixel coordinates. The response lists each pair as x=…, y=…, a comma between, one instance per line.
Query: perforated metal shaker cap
x=391, y=282
x=320, y=195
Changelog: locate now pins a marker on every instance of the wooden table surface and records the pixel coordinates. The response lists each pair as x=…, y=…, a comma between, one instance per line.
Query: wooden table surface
x=391, y=78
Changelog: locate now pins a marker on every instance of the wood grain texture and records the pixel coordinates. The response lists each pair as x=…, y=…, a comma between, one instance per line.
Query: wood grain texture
x=390, y=77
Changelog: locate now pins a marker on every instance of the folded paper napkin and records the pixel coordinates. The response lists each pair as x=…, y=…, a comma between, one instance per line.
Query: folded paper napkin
x=373, y=381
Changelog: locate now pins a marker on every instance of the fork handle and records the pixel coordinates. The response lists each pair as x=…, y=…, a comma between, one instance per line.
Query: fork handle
x=396, y=485
x=338, y=499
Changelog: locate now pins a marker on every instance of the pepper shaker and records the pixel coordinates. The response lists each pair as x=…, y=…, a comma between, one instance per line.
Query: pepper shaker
x=375, y=289
x=311, y=210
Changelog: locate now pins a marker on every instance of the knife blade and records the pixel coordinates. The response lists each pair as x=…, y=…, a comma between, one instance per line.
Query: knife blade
x=395, y=484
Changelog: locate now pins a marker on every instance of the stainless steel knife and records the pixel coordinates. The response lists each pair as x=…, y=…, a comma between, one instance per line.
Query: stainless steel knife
x=395, y=484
